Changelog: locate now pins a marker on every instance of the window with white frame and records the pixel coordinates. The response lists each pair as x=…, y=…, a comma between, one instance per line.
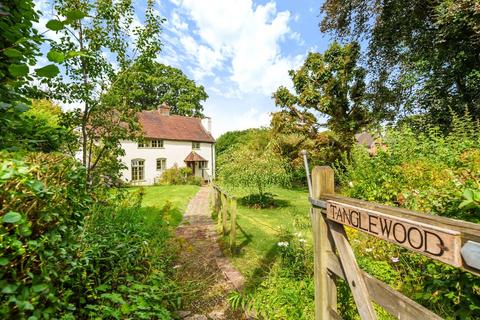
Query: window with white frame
x=138, y=170
x=157, y=143
x=161, y=164
x=195, y=145
x=143, y=144
x=203, y=164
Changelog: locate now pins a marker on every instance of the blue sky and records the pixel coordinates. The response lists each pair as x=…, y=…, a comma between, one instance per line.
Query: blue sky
x=239, y=50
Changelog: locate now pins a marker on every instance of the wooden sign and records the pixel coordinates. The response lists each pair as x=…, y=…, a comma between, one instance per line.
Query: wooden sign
x=435, y=242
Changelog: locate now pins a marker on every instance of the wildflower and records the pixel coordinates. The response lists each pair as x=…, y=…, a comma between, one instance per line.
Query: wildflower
x=282, y=244
x=302, y=240
x=299, y=234
x=394, y=259
x=350, y=184
x=369, y=249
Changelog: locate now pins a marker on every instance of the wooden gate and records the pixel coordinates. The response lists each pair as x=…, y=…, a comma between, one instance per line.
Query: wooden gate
x=454, y=242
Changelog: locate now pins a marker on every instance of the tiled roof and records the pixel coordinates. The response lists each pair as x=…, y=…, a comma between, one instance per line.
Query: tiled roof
x=173, y=127
x=193, y=157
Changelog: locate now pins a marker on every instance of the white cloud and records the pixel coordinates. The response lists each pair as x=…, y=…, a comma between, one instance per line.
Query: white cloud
x=240, y=38
x=250, y=118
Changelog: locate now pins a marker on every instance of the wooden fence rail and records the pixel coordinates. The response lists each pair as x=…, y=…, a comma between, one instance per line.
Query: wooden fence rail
x=225, y=206
x=453, y=242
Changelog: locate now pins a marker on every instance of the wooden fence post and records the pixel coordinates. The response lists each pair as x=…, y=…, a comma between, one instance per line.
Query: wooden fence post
x=224, y=212
x=233, y=225
x=325, y=286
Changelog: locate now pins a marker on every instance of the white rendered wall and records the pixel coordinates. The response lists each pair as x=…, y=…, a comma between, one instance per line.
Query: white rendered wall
x=174, y=151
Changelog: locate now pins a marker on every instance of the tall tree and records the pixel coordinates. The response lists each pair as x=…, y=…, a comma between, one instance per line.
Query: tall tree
x=427, y=51
x=151, y=84
x=96, y=38
x=333, y=84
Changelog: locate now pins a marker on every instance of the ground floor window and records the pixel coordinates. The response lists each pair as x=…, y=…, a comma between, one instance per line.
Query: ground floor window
x=161, y=164
x=138, y=170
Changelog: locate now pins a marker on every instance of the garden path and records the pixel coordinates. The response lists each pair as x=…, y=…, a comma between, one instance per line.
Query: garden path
x=201, y=267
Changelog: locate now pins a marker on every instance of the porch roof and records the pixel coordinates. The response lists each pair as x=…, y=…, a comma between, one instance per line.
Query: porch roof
x=194, y=157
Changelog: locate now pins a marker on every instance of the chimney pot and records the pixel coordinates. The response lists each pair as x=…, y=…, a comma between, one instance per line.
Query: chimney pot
x=164, y=109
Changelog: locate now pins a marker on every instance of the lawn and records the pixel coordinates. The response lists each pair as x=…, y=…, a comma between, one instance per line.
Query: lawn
x=176, y=197
x=259, y=229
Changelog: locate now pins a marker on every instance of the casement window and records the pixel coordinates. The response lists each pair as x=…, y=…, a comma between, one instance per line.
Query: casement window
x=161, y=164
x=157, y=143
x=151, y=144
x=138, y=170
x=195, y=145
x=203, y=164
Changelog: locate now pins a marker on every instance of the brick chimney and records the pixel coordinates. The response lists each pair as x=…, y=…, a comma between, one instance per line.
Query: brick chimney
x=164, y=109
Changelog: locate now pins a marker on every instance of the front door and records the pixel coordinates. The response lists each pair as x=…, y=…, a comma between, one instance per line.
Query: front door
x=191, y=165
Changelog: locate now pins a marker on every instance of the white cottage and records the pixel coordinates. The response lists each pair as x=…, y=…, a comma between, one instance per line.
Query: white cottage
x=170, y=140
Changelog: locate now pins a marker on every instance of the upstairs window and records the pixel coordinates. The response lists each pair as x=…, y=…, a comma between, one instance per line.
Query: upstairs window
x=161, y=164
x=151, y=144
x=195, y=145
x=138, y=170
x=157, y=143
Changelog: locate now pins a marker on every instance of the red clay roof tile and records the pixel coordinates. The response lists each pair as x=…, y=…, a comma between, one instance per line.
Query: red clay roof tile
x=173, y=127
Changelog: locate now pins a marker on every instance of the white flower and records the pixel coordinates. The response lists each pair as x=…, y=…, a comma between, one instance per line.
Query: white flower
x=282, y=244
x=369, y=249
x=299, y=234
x=350, y=184
x=394, y=259
x=302, y=240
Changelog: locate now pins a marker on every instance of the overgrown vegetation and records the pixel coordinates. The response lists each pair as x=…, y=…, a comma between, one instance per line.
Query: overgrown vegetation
x=68, y=253
x=428, y=172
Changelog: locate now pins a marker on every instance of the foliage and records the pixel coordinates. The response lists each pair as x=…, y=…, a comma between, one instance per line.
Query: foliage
x=232, y=139
x=19, y=43
x=292, y=132
x=128, y=264
x=262, y=201
x=178, y=176
x=36, y=129
x=89, y=30
x=426, y=52
x=252, y=166
x=427, y=172
x=151, y=83
x=42, y=209
x=333, y=84
x=66, y=253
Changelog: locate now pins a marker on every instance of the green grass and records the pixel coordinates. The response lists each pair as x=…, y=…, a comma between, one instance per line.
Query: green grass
x=156, y=197
x=262, y=227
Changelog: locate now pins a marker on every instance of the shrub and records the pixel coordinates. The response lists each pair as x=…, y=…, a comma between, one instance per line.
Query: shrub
x=179, y=176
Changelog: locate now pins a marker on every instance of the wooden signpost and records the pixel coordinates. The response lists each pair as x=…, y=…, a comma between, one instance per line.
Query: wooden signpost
x=435, y=242
x=451, y=241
